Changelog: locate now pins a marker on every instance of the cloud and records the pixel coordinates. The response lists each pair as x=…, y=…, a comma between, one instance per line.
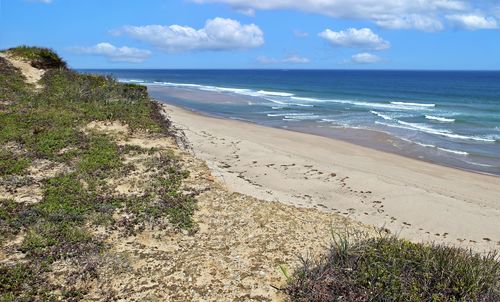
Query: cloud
x=412, y=21
x=365, y=58
x=115, y=54
x=300, y=34
x=426, y=15
x=42, y=1
x=295, y=59
x=292, y=59
x=473, y=22
x=355, y=38
x=217, y=34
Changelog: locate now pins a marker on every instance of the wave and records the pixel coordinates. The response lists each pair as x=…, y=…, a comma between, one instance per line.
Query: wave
x=130, y=81
x=413, y=104
x=415, y=142
x=478, y=164
x=385, y=117
x=288, y=114
x=389, y=106
x=454, y=151
x=283, y=95
x=457, y=152
x=274, y=93
x=429, y=130
x=444, y=132
x=440, y=119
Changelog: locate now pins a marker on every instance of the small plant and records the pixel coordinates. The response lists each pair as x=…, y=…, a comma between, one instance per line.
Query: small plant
x=392, y=269
x=40, y=57
x=12, y=164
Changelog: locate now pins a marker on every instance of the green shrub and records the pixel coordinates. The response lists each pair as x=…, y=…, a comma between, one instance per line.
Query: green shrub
x=11, y=163
x=391, y=269
x=40, y=57
x=102, y=155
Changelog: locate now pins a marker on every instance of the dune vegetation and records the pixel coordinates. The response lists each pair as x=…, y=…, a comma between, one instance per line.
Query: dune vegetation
x=47, y=128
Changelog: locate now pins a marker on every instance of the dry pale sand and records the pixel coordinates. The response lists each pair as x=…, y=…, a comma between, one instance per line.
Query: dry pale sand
x=418, y=200
x=32, y=75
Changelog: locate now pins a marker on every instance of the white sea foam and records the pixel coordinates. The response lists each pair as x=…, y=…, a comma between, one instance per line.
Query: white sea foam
x=130, y=81
x=288, y=114
x=413, y=104
x=454, y=151
x=301, y=105
x=275, y=93
x=299, y=98
x=478, y=164
x=395, y=126
x=457, y=152
x=440, y=119
x=385, y=117
x=417, y=143
x=429, y=130
x=444, y=132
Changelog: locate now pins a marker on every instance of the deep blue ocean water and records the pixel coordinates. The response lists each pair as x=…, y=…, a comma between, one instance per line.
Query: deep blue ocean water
x=449, y=117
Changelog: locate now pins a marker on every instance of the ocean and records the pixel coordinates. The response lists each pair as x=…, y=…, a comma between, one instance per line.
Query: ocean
x=446, y=117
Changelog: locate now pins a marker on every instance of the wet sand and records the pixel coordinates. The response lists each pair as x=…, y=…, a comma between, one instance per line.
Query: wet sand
x=415, y=199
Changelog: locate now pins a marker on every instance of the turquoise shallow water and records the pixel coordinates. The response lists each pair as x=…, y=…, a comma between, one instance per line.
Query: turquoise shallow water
x=448, y=117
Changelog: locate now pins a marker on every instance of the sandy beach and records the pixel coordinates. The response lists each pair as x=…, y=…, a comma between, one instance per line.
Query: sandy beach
x=415, y=199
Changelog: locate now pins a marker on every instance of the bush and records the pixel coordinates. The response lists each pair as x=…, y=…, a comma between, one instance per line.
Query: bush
x=40, y=57
x=391, y=269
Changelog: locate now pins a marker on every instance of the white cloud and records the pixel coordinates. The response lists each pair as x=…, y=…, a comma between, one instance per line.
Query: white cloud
x=356, y=38
x=473, y=22
x=218, y=34
x=365, y=58
x=426, y=15
x=295, y=59
x=415, y=21
x=115, y=54
x=300, y=34
x=42, y=1
x=292, y=59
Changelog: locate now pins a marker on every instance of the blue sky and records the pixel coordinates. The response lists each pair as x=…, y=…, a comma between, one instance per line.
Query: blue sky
x=378, y=34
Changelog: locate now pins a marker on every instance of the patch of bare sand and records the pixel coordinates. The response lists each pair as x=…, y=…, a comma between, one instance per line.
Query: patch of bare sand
x=28, y=188
x=32, y=74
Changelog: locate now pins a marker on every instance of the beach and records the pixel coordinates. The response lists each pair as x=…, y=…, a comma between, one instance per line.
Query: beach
x=421, y=201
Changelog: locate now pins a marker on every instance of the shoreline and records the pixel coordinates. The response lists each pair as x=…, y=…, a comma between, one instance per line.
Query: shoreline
x=439, y=204
x=383, y=146
x=373, y=138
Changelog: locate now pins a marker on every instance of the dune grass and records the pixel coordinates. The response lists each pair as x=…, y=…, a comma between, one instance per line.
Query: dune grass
x=39, y=57
x=386, y=268
x=47, y=125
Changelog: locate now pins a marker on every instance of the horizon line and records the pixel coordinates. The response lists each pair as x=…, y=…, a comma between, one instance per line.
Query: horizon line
x=291, y=69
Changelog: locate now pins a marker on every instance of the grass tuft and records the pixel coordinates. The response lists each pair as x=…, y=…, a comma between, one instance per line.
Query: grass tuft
x=40, y=57
x=392, y=269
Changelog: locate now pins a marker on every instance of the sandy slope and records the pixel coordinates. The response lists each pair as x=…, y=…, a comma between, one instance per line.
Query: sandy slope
x=419, y=200
x=32, y=75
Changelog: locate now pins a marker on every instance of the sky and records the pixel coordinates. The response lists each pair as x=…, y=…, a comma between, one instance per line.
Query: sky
x=268, y=34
